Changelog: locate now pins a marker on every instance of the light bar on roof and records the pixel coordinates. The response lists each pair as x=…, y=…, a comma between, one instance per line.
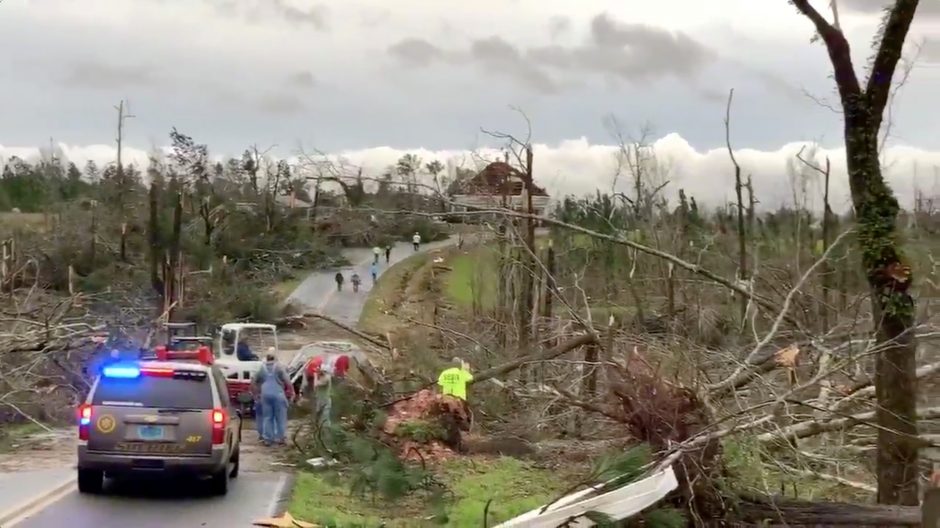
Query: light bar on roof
x=121, y=371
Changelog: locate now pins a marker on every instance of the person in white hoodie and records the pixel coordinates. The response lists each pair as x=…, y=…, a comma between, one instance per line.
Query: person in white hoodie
x=416, y=240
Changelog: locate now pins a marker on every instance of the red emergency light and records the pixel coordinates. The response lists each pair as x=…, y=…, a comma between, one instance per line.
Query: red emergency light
x=201, y=354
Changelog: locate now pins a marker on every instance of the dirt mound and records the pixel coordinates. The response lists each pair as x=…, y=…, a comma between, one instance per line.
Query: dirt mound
x=428, y=426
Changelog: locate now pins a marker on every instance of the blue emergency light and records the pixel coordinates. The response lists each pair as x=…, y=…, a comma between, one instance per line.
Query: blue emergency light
x=121, y=371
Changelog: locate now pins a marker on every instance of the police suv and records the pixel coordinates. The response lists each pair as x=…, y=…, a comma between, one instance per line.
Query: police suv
x=169, y=415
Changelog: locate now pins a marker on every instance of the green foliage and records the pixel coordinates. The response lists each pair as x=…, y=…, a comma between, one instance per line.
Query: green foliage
x=421, y=431
x=404, y=228
x=747, y=471
x=372, y=484
x=514, y=487
x=371, y=467
x=741, y=455
x=33, y=188
x=600, y=519
x=665, y=517
x=221, y=299
x=621, y=468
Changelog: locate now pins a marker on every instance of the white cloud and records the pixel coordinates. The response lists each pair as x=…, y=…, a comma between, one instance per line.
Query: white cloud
x=197, y=63
x=578, y=167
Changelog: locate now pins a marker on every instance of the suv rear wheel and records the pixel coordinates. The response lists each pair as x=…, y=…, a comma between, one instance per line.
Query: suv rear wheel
x=218, y=483
x=90, y=481
x=235, y=463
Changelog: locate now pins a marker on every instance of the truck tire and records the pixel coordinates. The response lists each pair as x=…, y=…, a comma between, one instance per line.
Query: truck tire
x=235, y=463
x=90, y=481
x=218, y=483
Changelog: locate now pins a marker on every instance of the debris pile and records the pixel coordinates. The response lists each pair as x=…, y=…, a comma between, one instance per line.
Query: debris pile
x=663, y=415
x=428, y=426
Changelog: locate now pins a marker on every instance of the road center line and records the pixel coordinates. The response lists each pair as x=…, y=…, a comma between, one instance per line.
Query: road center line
x=41, y=505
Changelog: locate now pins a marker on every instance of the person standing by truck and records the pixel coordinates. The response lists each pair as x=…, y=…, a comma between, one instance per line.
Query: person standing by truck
x=273, y=385
x=321, y=376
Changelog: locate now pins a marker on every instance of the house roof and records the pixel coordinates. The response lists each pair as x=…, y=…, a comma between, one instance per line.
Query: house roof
x=498, y=178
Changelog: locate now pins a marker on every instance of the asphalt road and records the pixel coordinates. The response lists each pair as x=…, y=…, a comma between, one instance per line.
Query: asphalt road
x=160, y=504
x=318, y=291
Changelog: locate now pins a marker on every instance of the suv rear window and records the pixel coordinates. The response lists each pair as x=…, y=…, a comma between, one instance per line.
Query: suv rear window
x=148, y=391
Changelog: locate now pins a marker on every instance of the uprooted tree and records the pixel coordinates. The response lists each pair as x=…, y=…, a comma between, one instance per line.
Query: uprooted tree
x=889, y=276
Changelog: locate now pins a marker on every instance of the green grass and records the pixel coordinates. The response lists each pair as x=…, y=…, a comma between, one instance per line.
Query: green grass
x=749, y=471
x=284, y=288
x=387, y=293
x=513, y=485
x=11, y=434
x=12, y=222
x=473, y=277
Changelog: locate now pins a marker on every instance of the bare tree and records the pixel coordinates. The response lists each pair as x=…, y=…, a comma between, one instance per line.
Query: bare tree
x=888, y=275
x=811, y=163
x=738, y=190
x=121, y=179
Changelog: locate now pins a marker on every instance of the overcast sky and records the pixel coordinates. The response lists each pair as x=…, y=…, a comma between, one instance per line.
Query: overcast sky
x=356, y=75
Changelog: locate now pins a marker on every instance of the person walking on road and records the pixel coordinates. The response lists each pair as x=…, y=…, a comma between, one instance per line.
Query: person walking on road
x=388, y=253
x=376, y=251
x=375, y=272
x=339, y=281
x=355, y=281
x=272, y=383
x=416, y=240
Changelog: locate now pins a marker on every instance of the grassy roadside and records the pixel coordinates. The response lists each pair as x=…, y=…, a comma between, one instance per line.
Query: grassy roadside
x=473, y=278
x=514, y=487
x=11, y=435
x=11, y=222
x=387, y=293
x=284, y=288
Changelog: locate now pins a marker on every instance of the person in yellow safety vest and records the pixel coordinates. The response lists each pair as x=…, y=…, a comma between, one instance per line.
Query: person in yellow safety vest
x=453, y=381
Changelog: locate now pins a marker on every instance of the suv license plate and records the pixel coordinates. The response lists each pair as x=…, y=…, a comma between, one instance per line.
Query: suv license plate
x=150, y=432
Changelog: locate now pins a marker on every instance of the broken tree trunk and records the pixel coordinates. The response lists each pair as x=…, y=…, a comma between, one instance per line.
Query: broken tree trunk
x=786, y=512
x=544, y=355
x=157, y=253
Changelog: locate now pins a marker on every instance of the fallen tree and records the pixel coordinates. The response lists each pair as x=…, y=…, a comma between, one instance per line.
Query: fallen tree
x=788, y=512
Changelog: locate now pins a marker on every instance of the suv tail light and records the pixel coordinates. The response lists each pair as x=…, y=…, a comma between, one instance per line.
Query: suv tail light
x=84, y=421
x=219, y=421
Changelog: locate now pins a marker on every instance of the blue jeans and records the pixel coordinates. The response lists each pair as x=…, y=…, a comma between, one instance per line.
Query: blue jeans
x=274, y=410
x=259, y=417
